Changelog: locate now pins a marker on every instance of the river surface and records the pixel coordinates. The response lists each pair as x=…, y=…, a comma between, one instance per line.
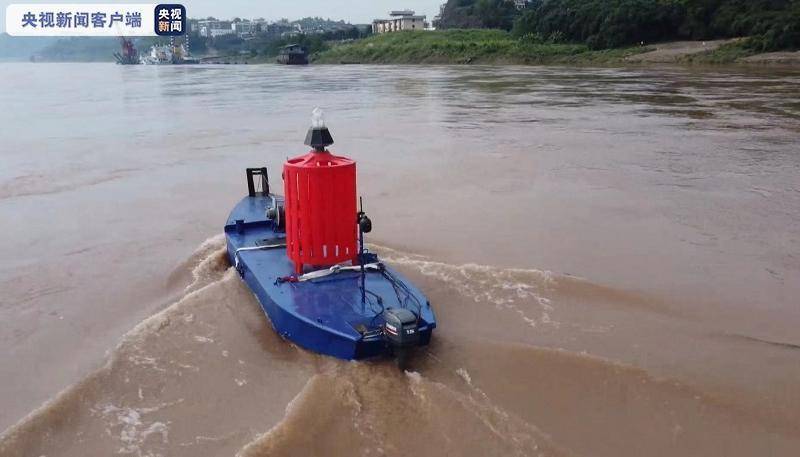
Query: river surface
x=613, y=254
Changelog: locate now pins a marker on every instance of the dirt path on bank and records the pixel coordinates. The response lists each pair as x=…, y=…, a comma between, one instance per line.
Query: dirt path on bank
x=675, y=51
x=781, y=58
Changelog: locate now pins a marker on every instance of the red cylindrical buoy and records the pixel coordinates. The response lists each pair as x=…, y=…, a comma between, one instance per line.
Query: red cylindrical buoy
x=320, y=192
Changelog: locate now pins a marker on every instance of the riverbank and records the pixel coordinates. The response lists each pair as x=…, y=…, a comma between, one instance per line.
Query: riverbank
x=471, y=46
x=464, y=47
x=499, y=47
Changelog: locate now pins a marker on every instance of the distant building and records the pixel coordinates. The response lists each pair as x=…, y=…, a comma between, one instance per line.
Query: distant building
x=212, y=28
x=246, y=28
x=282, y=28
x=399, y=20
x=522, y=4
x=220, y=32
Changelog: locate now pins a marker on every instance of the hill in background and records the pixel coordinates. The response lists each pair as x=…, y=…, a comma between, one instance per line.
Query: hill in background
x=22, y=48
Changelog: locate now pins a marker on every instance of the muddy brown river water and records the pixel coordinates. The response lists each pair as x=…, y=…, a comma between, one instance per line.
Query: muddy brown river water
x=613, y=254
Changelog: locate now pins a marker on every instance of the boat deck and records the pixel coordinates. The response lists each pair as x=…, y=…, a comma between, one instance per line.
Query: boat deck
x=325, y=315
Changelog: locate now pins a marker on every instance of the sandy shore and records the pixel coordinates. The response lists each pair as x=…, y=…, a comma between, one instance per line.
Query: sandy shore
x=782, y=58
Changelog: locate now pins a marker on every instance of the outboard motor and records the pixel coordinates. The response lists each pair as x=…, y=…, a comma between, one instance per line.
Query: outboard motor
x=401, y=332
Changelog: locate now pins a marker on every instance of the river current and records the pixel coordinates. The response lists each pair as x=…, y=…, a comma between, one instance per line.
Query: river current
x=613, y=255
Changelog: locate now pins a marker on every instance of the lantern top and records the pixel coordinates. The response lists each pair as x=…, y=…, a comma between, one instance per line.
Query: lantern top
x=318, y=118
x=318, y=136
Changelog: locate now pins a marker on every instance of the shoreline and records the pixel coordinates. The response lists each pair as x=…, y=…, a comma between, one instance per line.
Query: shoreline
x=762, y=60
x=494, y=47
x=716, y=53
x=781, y=59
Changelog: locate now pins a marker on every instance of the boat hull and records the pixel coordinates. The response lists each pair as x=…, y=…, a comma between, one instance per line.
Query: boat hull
x=292, y=59
x=331, y=315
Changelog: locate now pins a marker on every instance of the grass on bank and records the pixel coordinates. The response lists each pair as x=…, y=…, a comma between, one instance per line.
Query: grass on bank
x=473, y=46
x=725, y=54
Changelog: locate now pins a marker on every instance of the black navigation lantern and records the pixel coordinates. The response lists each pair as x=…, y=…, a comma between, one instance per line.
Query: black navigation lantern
x=318, y=136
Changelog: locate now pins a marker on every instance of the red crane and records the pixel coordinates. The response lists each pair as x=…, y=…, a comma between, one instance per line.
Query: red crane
x=129, y=55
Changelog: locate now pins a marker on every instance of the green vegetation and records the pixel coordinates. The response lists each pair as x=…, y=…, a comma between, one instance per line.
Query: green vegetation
x=494, y=31
x=770, y=24
x=264, y=47
x=728, y=53
x=80, y=49
x=601, y=24
x=314, y=44
x=490, y=14
x=265, y=51
x=465, y=46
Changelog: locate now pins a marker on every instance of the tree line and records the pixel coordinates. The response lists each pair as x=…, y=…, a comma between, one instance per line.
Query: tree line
x=770, y=24
x=270, y=46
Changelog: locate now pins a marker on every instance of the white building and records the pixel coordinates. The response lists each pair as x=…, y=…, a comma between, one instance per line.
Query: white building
x=246, y=28
x=212, y=28
x=521, y=4
x=399, y=20
x=213, y=33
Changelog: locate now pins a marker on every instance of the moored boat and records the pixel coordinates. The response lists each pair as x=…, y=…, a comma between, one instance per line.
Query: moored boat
x=293, y=54
x=169, y=55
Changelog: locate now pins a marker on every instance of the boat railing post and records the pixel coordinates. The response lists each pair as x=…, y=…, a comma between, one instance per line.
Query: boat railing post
x=361, y=253
x=251, y=185
x=251, y=188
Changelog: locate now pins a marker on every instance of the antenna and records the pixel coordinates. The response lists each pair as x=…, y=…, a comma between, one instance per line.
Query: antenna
x=364, y=226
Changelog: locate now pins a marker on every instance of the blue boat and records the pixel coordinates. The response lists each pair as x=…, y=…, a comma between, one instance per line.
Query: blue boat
x=350, y=310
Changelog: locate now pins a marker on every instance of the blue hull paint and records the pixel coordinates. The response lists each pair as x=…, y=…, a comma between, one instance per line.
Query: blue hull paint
x=325, y=315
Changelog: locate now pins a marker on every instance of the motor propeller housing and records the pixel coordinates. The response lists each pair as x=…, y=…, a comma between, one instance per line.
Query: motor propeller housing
x=401, y=327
